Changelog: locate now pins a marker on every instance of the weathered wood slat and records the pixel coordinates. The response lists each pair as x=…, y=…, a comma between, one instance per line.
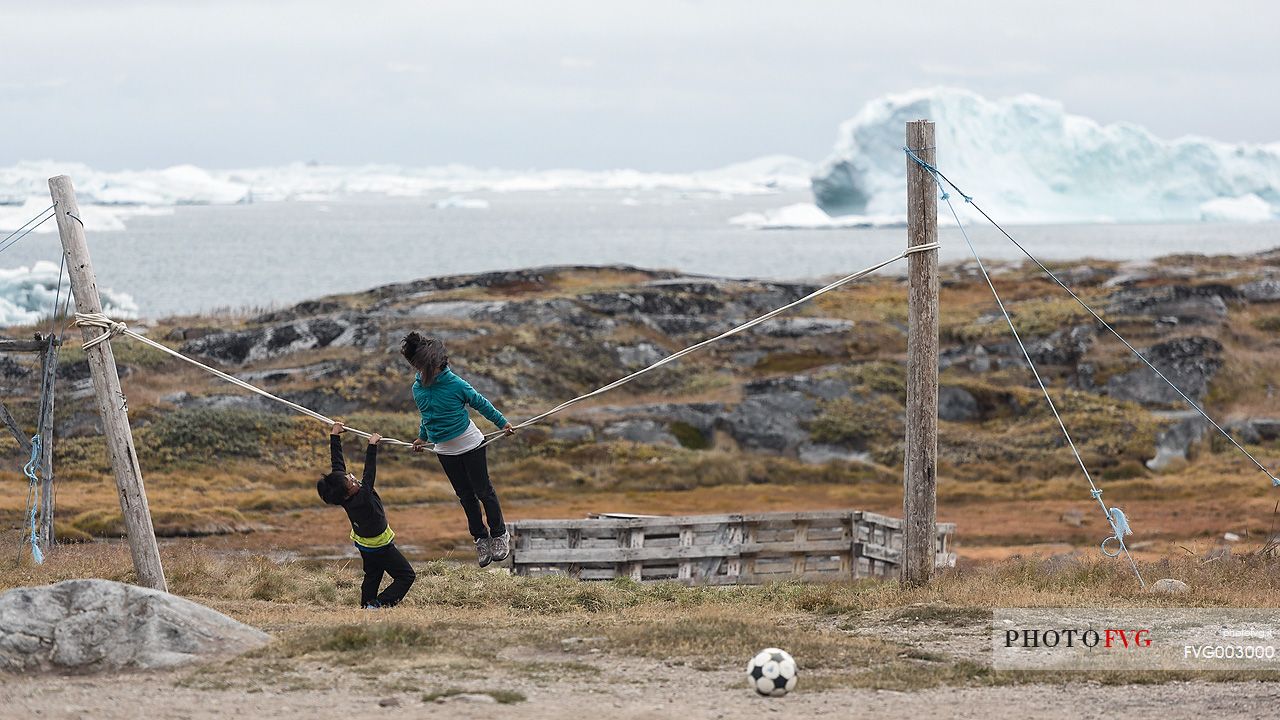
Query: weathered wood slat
x=799, y=546
x=719, y=549
x=24, y=444
x=627, y=523
x=623, y=554
x=31, y=346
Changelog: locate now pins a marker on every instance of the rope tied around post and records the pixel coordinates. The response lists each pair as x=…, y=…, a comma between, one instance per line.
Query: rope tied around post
x=99, y=320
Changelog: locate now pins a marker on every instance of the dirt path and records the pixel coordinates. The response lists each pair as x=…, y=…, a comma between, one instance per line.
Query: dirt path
x=625, y=690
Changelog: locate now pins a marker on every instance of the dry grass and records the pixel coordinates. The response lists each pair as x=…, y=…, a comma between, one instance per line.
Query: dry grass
x=571, y=625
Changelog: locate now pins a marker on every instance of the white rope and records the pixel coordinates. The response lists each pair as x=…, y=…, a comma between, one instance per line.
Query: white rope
x=113, y=328
x=491, y=437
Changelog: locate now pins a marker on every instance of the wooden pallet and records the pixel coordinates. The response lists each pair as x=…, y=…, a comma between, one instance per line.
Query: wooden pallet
x=717, y=549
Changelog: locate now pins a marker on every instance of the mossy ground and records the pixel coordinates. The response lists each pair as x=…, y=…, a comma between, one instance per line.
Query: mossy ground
x=1007, y=477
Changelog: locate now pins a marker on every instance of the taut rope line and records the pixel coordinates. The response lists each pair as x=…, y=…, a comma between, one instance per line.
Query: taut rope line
x=112, y=328
x=939, y=178
x=728, y=333
x=1115, y=517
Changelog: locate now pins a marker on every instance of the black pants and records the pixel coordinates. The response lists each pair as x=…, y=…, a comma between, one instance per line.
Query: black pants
x=469, y=474
x=386, y=559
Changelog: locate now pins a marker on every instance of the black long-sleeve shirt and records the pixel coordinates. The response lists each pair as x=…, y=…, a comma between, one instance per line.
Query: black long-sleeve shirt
x=364, y=509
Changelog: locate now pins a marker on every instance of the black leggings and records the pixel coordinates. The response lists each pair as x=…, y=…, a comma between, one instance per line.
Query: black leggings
x=469, y=474
x=386, y=559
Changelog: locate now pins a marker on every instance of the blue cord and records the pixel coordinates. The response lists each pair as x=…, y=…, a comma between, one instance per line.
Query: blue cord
x=33, y=495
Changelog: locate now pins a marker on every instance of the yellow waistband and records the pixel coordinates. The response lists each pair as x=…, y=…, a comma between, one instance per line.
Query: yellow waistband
x=378, y=541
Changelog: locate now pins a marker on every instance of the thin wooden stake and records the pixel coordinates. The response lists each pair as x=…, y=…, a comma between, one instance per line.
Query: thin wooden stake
x=110, y=396
x=920, y=466
x=49, y=372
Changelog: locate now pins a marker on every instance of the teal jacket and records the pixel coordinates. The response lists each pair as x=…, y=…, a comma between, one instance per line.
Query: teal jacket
x=443, y=405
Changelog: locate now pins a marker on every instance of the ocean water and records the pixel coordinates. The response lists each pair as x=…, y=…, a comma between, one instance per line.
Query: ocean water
x=271, y=254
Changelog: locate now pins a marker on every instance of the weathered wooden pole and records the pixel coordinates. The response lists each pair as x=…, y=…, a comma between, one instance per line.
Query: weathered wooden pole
x=920, y=465
x=48, y=373
x=106, y=385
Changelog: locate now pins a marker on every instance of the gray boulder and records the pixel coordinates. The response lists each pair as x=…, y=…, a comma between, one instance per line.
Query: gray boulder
x=1265, y=290
x=649, y=432
x=956, y=404
x=1185, y=304
x=105, y=625
x=454, y=309
x=772, y=421
x=1169, y=586
x=805, y=327
x=271, y=341
x=1172, y=444
x=1189, y=363
x=819, y=453
x=639, y=355
x=572, y=433
x=1255, y=430
x=774, y=414
x=1063, y=347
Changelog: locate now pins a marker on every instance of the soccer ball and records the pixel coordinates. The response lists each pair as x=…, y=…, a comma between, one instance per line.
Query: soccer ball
x=772, y=672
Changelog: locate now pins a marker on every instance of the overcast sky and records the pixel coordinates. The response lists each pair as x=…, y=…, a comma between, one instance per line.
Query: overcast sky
x=651, y=84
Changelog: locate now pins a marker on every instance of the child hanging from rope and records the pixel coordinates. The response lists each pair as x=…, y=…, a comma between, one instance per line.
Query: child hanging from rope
x=442, y=399
x=370, y=532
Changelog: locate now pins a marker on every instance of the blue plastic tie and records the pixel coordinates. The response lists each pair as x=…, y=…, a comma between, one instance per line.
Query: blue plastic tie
x=33, y=492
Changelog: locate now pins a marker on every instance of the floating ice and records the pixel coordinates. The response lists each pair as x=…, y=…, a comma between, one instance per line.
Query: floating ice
x=1247, y=208
x=1026, y=160
x=807, y=216
x=109, y=198
x=26, y=295
x=189, y=185
x=96, y=218
x=462, y=202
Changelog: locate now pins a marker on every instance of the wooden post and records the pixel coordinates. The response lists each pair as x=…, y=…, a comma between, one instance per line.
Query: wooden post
x=49, y=371
x=106, y=385
x=920, y=465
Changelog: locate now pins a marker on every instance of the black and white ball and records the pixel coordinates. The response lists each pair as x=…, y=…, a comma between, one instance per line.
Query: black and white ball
x=772, y=672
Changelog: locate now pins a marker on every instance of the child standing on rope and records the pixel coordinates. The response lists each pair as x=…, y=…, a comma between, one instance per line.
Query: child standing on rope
x=442, y=399
x=370, y=532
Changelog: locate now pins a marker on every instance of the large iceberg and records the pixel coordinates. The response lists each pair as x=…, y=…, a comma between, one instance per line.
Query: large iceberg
x=109, y=197
x=27, y=294
x=1026, y=160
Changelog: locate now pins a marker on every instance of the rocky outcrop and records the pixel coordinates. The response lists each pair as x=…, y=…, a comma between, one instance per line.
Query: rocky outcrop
x=804, y=327
x=1256, y=430
x=530, y=279
x=1189, y=363
x=1264, y=290
x=957, y=404
x=1065, y=347
x=649, y=432
x=272, y=341
x=556, y=311
x=91, y=625
x=774, y=414
x=321, y=400
x=10, y=370
x=1186, y=428
x=1174, y=304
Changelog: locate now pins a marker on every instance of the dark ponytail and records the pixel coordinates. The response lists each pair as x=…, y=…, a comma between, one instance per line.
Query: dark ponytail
x=427, y=355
